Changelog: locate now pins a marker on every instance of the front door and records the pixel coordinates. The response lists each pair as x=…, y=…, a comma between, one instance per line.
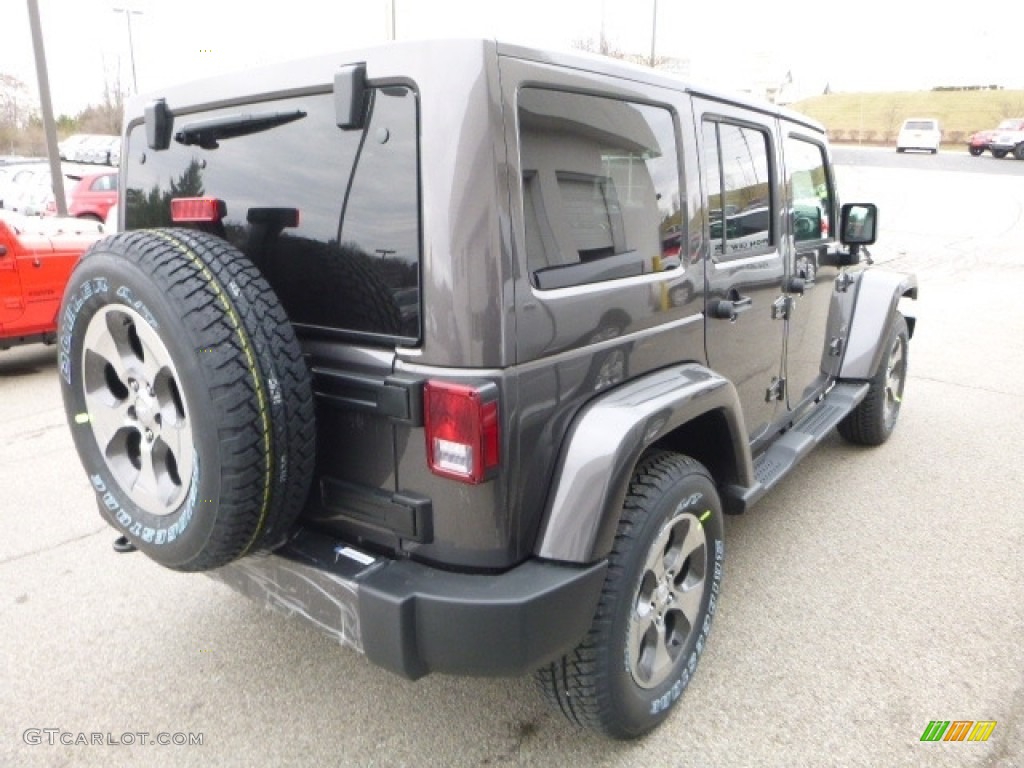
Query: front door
x=810, y=357
x=745, y=263
x=11, y=303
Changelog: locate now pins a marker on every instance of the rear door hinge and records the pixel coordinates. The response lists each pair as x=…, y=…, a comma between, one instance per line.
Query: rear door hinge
x=843, y=281
x=777, y=390
x=782, y=307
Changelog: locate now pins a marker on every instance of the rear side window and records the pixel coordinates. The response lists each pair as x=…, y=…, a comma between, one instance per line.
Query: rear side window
x=738, y=190
x=600, y=188
x=104, y=183
x=330, y=217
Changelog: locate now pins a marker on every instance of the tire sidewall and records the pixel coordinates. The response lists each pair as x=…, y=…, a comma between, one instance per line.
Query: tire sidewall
x=106, y=279
x=639, y=709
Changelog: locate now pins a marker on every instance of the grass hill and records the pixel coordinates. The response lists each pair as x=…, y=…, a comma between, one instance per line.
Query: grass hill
x=875, y=118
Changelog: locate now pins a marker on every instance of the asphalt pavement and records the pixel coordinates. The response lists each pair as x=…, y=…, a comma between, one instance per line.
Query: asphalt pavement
x=873, y=591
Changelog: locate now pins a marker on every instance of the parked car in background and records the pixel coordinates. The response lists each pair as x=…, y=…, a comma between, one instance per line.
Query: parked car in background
x=95, y=149
x=919, y=133
x=36, y=258
x=92, y=196
x=29, y=191
x=68, y=149
x=15, y=178
x=982, y=140
x=110, y=225
x=1007, y=141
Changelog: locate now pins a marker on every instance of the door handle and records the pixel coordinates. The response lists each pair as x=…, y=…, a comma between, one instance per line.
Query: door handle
x=37, y=263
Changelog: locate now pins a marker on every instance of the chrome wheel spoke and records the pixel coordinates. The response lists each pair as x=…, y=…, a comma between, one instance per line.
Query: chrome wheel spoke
x=668, y=600
x=108, y=420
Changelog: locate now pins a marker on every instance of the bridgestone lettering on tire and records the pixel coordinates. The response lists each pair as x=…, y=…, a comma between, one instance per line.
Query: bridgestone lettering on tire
x=654, y=615
x=188, y=399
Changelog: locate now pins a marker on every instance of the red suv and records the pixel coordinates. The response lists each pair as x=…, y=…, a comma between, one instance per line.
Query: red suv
x=36, y=257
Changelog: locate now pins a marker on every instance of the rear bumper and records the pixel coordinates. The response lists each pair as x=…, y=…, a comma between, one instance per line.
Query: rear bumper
x=413, y=619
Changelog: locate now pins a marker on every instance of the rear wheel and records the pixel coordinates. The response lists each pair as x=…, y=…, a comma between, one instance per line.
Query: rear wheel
x=1018, y=152
x=187, y=396
x=873, y=421
x=976, y=151
x=1000, y=153
x=655, y=611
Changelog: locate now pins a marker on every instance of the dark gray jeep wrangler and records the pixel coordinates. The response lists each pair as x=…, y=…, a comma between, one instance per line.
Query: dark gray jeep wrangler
x=460, y=351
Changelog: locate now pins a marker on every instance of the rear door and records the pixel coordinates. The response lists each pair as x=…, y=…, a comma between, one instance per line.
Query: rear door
x=745, y=264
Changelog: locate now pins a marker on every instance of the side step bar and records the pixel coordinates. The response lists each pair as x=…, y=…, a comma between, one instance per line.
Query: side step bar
x=787, y=451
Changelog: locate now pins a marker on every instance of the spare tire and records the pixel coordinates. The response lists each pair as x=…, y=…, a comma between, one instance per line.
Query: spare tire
x=187, y=396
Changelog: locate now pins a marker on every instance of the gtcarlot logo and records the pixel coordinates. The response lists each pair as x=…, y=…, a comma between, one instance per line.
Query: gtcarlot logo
x=58, y=736
x=958, y=730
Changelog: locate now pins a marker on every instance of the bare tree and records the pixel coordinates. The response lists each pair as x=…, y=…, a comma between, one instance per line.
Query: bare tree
x=18, y=114
x=107, y=116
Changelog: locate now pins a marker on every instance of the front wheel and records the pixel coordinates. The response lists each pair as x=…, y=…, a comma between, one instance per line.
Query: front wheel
x=873, y=421
x=1000, y=153
x=975, y=151
x=655, y=611
x=1018, y=152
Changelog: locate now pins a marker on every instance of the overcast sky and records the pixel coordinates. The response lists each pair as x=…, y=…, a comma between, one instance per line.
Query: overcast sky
x=863, y=45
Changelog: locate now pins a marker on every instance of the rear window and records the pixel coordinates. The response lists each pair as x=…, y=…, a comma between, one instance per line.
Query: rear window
x=350, y=265
x=920, y=125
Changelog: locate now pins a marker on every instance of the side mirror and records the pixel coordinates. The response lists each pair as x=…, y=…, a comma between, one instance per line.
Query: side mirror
x=858, y=224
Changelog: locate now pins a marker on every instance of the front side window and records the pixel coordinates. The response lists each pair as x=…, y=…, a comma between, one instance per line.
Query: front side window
x=600, y=188
x=740, y=209
x=808, y=190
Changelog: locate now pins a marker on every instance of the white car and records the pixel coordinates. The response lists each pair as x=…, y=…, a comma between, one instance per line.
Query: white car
x=919, y=133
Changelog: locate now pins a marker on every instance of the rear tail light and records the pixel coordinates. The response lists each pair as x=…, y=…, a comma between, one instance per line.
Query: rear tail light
x=462, y=430
x=196, y=209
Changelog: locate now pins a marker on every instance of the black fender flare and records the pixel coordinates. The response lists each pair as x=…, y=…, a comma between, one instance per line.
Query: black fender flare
x=877, y=300
x=607, y=439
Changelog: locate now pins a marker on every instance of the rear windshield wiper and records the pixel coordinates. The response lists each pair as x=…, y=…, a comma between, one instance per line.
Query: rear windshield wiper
x=206, y=133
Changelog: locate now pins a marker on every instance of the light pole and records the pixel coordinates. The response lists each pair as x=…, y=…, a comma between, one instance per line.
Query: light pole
x=654, y=30
x=131, y=46
x=389, y=19
x=49, y=126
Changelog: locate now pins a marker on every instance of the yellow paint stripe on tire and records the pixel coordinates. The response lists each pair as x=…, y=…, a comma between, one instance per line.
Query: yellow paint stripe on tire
x=250, y=359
